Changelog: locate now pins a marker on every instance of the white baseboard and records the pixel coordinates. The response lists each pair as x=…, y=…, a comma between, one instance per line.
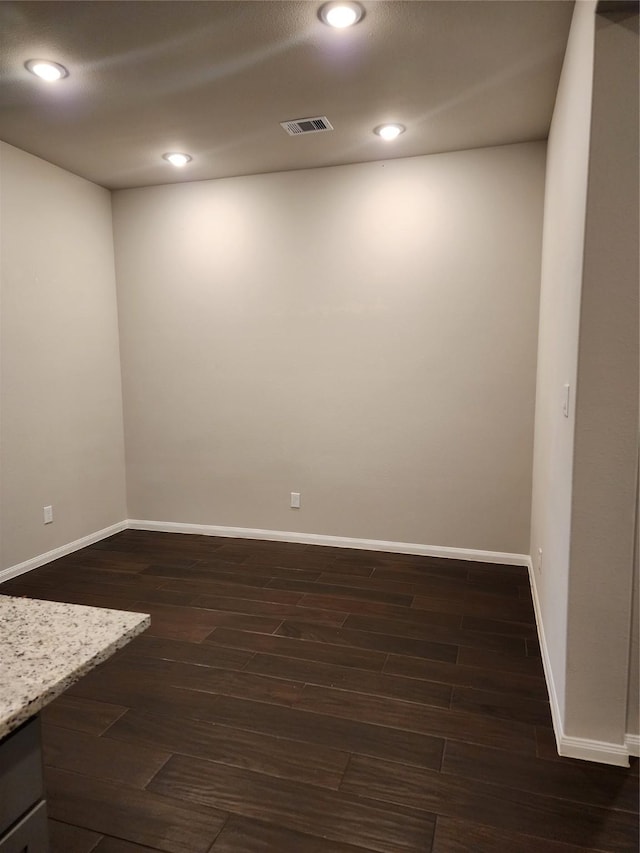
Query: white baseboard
x=632, y=742
x=556, y=716
x=62, y=551
x=333, y=541
x=270, y=535
x=572, y=747
x=594, y=750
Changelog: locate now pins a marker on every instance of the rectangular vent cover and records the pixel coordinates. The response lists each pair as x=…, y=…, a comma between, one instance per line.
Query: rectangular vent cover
x=306, y=125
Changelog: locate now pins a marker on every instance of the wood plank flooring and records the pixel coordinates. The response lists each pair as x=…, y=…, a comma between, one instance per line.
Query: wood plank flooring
x=314, y=700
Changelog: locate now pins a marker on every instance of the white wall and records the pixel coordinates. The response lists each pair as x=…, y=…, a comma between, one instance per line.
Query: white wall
x=61, y=419
x=560, y=295
x=583, y=508
x=365, y=335
x=606, y=429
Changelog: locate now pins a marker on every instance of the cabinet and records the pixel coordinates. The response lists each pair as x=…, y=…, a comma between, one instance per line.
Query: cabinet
x=23, y=814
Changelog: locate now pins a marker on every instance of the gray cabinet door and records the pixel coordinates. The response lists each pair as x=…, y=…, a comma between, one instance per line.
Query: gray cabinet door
x=30, y=835
x=21, y=784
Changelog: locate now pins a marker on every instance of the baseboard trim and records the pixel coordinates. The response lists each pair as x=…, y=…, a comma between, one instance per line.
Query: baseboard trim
x=571, y=747
x=556, y=715
x=500, y=557
x=332, y=541
x=585, y=749
x=62, y=551
x=594, y=750
x=632, y=742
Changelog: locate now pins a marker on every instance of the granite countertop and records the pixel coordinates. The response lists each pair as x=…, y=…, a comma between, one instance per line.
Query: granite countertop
x=46, y=646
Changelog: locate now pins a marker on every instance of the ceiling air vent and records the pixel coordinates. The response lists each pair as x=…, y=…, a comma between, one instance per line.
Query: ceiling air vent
x=306, y=125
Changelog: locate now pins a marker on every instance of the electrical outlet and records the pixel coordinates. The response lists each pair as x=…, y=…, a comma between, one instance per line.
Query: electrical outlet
x=295, y=500
x=47, y=513
x=539, y=563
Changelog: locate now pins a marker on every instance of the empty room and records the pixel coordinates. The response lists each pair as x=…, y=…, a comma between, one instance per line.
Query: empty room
x=319, y=409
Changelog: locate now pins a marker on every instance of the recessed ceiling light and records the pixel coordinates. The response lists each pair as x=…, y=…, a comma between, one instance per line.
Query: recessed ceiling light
x=46, y=70
x=341, y=15
x=389, y=131
x=177, y=159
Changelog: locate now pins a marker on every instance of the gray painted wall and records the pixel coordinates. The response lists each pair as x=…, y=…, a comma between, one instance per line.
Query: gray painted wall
x=583, y=507
x=606, y=430
x=364, y=335
x=560, y=295
x=61, y=416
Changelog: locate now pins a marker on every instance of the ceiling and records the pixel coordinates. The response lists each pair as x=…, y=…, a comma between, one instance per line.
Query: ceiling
x=215, y=79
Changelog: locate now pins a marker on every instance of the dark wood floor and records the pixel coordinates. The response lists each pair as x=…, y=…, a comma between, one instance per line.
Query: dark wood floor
x=314, y=700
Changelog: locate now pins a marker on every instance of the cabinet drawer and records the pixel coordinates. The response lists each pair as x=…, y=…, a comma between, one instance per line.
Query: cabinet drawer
x=30, y=835
x=21, y=783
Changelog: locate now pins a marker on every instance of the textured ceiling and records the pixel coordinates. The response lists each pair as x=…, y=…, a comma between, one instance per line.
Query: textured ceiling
x=216, y=78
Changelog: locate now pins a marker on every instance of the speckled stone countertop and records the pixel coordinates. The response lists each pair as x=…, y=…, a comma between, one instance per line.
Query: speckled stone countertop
x=46, y=646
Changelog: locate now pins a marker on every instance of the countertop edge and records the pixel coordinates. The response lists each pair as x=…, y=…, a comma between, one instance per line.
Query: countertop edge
x=24, y=713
